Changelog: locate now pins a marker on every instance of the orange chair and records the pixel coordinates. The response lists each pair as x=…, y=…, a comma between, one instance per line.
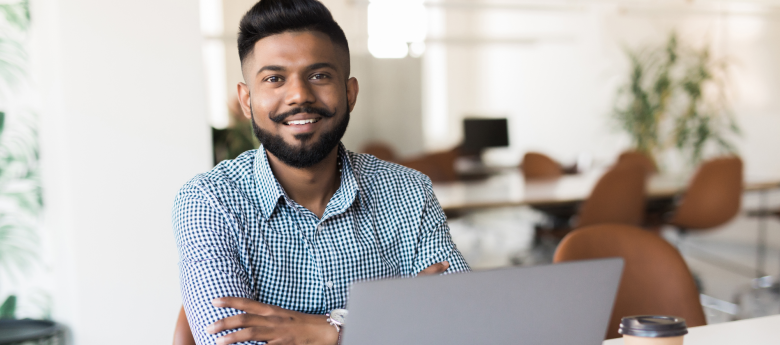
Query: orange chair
x=713, y=196
x=182, y=334
x=637, y=157
x=381, y=151
x=439, y=166
x=656, y=280
x=618, y=197
x=539, y=166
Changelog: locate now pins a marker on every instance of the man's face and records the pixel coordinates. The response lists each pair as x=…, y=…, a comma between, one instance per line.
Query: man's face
x=298, y=95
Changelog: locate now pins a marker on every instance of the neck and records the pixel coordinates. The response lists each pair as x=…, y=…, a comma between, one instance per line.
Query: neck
x=311, y=187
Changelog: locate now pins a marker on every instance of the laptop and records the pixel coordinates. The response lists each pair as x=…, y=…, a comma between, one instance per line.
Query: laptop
x=560, y=304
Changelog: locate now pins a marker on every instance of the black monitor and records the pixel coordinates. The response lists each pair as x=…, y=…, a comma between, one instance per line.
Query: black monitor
x=479, y=134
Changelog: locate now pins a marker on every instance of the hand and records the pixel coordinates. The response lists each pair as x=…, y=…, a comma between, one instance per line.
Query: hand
x=437, y=268
x=272, y=324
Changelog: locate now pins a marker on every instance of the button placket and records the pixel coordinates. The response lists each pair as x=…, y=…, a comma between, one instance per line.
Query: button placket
x=328, y=280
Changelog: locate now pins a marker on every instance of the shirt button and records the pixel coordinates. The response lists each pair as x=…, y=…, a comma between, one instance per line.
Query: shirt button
x=319, y=227
x=329, y=284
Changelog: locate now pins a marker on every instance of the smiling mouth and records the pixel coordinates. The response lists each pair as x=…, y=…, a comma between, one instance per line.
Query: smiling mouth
x=302, y=122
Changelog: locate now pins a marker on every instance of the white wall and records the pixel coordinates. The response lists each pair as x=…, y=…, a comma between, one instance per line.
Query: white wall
x=553, y=71
x=123, y=126
x=389, y=107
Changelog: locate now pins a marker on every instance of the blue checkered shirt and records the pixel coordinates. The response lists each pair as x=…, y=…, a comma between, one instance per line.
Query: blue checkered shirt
x=239, y=234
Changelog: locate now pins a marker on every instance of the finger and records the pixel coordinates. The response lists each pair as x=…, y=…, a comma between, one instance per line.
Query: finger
x=233, y=322
x=245, y=304
x=432, y=269
x=247, y=334
x=436, y=268
x=445, y=266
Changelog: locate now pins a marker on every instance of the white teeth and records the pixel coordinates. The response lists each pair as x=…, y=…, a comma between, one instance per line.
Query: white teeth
x=302, y=122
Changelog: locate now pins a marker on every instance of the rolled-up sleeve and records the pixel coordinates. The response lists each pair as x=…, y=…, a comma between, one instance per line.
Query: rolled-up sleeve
x=435, y=243
x=209, y=265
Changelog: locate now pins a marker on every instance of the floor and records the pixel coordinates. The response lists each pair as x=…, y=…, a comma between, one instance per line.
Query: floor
x=724, y=260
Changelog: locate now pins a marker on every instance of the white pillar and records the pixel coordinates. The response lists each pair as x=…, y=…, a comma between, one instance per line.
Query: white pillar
x=123, y=127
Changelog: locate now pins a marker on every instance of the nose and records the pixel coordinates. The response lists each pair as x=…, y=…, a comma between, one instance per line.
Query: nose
x=299, y=92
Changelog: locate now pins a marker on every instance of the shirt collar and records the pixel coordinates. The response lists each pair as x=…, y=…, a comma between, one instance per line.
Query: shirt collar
x=345, y=195
x=270, y=190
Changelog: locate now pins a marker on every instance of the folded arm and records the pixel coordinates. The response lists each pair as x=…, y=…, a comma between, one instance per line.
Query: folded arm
x=218, y=299
x=209, y=265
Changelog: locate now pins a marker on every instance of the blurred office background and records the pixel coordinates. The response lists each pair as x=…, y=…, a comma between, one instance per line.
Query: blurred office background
x=126, y=101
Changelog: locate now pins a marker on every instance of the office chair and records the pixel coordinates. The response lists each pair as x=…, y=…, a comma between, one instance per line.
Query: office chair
x=438, y=166
x=539, y=166
x=618, y=197
x=656, y=280
x=182, y=334
x=640, y=158
x=713, y=196
x=712, y=199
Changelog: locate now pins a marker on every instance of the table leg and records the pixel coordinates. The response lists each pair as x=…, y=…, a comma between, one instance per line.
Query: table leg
x=761, y=248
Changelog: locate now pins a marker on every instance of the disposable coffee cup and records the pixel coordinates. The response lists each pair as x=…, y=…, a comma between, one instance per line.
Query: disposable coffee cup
x=653, y=330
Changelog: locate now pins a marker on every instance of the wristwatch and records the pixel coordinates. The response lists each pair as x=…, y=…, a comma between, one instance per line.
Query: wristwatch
x=336, y=317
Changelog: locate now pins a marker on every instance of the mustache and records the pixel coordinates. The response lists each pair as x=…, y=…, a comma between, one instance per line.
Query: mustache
x=311, y=110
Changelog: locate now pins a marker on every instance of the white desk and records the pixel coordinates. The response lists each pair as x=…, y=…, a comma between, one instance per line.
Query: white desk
x=510, y=189
x=758, y=331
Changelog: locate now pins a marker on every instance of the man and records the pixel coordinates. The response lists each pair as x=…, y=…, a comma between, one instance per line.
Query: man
x=270, y=242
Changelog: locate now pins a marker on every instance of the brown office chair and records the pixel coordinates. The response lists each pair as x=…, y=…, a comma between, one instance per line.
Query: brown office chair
x=439, y=166
x=713, y=196
x=539, y=166
x=618, y=197
x=637, y=157
x=655, y=281
x=381, y=151
x=182, y=334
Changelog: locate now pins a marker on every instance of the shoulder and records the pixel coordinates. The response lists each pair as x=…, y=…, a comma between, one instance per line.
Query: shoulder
x=228, y=177
x=374, y=172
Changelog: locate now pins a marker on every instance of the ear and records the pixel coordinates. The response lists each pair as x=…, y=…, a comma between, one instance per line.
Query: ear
x=352, y=92
x=244, y=100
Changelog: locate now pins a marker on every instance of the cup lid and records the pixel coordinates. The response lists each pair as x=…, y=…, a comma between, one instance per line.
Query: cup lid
x=653, y=326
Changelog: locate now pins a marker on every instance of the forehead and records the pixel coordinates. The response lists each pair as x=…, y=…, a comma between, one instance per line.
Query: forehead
x=294, y=50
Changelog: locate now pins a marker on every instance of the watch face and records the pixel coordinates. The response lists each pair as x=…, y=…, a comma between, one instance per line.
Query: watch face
x=338, y=316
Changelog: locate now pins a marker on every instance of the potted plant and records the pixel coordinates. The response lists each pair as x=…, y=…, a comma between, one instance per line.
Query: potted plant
x=676, y=98
x=20, y=193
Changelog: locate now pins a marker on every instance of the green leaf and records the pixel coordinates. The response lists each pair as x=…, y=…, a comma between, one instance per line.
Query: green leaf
x=8, y=308
x=663, y=103
x=20, y=189
x=17, y=14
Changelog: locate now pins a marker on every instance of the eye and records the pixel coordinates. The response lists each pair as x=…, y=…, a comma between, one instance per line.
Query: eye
x=319, y=76
x=273, y=79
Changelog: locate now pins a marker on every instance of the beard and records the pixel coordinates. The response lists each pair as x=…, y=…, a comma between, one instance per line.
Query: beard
x=301, y=156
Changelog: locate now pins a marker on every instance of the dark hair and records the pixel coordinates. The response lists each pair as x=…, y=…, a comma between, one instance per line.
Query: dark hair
x=271, y=17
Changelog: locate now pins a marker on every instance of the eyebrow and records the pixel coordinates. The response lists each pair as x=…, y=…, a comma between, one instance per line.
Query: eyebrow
x=274, y=68
x=322, y=65
x=277, y=68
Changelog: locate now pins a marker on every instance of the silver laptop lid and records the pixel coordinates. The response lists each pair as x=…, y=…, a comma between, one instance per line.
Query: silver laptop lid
x=566, y=303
